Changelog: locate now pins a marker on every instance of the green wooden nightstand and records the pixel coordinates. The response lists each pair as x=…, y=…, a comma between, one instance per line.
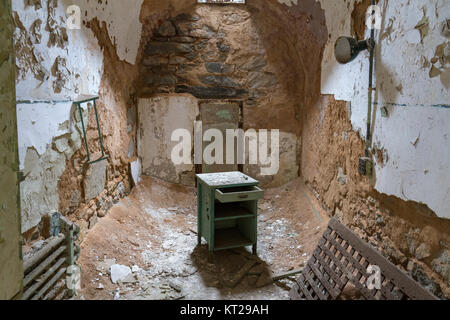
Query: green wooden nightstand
x=228, y=210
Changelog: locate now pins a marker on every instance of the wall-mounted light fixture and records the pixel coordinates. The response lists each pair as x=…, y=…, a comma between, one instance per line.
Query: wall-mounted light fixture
x=347, y=49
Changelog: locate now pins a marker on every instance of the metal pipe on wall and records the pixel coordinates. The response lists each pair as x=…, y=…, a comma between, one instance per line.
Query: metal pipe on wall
x=370, y=89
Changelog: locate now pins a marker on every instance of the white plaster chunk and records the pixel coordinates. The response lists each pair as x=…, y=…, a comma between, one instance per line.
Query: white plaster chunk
x=289, y=3
x=62, y=145
x=136, y=269
x=423, y=251
x=136, y=171
x=119, y=273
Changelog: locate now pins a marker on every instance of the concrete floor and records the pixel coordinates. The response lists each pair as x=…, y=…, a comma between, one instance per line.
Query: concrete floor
x=154, y=231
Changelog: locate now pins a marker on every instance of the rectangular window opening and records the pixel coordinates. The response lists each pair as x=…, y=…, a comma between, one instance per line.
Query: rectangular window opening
x=222, y=1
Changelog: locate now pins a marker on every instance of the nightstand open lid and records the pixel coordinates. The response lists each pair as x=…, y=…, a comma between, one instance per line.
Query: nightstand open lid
x=227, y=179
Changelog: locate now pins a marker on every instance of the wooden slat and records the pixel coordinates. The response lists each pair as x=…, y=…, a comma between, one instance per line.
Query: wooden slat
x=314, y=284
x=336, y=278
x=302, y=287
x=330, y=288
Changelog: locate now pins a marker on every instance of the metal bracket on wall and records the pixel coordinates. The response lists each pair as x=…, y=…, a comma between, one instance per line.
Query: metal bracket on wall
x=79, y=102
x=55, y=224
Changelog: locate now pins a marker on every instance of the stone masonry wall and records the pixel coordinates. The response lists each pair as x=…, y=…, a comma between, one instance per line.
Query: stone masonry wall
x=216, y=53
x=192, y=54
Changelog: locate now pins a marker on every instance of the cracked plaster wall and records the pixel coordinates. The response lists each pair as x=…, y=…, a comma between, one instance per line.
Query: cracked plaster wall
x=413, y=80
x=158, y=118
x=54, y=66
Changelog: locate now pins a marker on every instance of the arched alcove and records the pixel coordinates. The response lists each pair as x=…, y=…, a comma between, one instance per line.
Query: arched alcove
x=261, y=59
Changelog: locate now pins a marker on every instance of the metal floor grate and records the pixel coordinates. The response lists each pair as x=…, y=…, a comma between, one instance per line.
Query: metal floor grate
x=342, y=257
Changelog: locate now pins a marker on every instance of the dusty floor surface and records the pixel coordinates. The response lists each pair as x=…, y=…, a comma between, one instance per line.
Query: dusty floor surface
x=153, y=231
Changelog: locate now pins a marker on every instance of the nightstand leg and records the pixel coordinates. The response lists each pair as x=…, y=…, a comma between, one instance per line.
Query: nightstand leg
x=199, y=213
x=255, y=249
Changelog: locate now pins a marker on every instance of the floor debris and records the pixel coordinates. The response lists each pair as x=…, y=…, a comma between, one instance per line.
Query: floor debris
x=287, y=274
x=165, y=263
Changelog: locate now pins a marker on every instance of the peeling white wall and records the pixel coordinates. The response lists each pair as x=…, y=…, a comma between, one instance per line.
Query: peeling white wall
x=122, y=19
x=416, y=135
x=84, y=58
x=38, y=124
x=46, y=121
x=159, y=117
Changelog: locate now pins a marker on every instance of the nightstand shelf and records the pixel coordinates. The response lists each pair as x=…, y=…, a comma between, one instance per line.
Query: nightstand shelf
x=230, y=238
x=230, y=211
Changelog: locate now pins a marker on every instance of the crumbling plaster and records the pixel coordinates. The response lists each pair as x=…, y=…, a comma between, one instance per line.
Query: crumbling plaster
x=414, y=138
x=64, y=64
x=83, y=58
x=159, y=117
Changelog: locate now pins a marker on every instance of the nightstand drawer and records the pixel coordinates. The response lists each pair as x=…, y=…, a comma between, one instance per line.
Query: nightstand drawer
x=227, y=195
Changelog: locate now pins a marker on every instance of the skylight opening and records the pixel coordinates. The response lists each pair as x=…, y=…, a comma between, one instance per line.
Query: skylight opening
x=222, y=1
